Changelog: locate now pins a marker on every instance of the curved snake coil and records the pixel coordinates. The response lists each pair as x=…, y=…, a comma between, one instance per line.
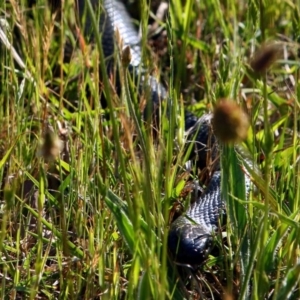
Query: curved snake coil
x=190, y=237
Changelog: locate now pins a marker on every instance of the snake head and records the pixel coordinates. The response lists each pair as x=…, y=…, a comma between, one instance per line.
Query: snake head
x=188, y=243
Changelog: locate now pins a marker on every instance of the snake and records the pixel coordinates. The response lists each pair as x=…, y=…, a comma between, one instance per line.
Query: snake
x=191, y=235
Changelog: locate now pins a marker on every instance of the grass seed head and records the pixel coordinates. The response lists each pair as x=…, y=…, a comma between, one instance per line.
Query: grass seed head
x=126, y=57
x=265, y=57
x=230, y=123
x=51, y=147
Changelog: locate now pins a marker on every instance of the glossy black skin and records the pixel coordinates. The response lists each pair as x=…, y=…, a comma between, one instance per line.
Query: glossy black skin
x=190, y=238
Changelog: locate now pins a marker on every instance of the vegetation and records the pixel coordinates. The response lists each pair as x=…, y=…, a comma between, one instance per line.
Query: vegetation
x=88, y=191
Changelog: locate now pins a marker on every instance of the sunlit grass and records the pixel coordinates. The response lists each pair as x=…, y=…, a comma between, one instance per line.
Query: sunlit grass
x=93, y=222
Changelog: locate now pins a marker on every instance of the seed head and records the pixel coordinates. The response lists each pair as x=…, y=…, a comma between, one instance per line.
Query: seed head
x=230, y=123
x=265, y=57
x=51, y=147
x=126, y=56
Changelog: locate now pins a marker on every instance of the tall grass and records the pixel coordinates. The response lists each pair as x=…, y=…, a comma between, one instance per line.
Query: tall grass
x=92, y=223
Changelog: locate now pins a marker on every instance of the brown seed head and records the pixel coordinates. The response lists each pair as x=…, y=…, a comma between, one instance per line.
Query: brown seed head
x=51, y=146
x=230, y=123
x=126, y=56
x=265, y=57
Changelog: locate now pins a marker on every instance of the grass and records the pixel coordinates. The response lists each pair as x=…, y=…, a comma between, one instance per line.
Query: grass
x=92, y=222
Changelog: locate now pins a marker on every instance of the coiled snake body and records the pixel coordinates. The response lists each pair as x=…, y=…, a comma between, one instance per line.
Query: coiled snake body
x=190, y=236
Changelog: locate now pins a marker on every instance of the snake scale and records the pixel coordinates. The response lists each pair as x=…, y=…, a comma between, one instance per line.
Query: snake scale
x=190, y=237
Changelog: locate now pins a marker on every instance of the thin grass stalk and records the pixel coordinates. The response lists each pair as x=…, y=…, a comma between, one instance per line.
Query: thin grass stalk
x=171, y=114
x=245, y=291
x=233, y=187
x=268, y=148
x=184, y=28
x=296, y=157
x=226, y=190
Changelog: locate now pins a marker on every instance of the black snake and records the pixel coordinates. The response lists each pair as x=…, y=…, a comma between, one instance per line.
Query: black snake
x=191, y=235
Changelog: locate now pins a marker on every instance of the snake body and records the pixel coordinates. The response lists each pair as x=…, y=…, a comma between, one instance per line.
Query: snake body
x=190, y=237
